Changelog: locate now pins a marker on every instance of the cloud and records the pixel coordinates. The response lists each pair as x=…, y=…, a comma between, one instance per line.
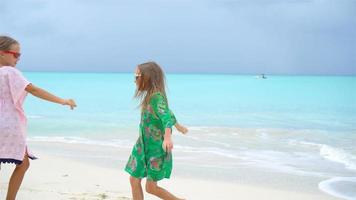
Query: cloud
x=273, y=36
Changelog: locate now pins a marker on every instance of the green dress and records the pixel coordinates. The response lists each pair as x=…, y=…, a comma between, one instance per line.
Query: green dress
x=148, y=159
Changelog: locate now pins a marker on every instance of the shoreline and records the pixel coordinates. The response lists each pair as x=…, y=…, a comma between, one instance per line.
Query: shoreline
x=59, y=173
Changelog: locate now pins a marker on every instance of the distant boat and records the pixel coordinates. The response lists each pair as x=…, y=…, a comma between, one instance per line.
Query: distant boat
x=262, y=76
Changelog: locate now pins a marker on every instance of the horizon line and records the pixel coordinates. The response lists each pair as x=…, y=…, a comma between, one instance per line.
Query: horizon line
x=197, y=73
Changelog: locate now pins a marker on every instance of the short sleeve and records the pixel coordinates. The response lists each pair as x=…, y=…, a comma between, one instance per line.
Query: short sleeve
x=160, y=108
x=17, y=83
x=173, y=117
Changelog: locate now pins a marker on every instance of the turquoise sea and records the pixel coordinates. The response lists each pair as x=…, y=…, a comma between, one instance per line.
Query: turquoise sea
x=304, y=125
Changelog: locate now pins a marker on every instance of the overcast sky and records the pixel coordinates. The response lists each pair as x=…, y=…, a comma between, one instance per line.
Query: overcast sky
x=199, y=36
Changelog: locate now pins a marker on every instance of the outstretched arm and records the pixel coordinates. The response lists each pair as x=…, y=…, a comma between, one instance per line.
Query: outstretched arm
x=178, y=126
x=181, y=128
x=43, y=94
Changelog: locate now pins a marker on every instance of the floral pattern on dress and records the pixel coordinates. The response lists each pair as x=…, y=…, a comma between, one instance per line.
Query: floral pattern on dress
x=151, y=160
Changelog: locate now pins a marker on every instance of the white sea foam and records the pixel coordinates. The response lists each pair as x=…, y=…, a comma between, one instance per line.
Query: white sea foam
x=209, y=150
x=279, y=162
x=346, y=191
x=80, y=140
x=331, y=153
x=218, y=143
x=224, y=144
x=338, y=155
x=35, y=117
x=196, y=128
x=263, y=135
x=235, y=134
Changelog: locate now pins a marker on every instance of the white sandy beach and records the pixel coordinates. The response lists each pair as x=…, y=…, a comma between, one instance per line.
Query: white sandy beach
x=54, y=177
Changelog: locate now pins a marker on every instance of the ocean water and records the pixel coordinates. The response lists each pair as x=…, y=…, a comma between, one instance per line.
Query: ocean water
x=303, y=125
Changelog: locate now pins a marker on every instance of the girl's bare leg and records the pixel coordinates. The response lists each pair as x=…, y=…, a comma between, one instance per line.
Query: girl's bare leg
x=136, y=188
x=153, y=188
x=16, y=178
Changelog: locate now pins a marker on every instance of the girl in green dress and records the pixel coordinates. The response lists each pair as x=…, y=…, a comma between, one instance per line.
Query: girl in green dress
x=151, y=156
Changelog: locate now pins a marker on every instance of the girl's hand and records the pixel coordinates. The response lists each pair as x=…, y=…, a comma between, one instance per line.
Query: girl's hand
x=181, y=128
x=70, y=102
x=167, y=145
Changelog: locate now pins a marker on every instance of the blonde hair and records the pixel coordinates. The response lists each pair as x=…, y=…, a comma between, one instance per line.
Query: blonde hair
x=152, y=80
x=6, y=42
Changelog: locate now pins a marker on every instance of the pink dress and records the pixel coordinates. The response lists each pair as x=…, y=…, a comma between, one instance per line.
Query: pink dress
x=13, y=121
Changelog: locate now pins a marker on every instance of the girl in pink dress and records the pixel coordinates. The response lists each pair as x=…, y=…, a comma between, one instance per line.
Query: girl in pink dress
x=13, y=90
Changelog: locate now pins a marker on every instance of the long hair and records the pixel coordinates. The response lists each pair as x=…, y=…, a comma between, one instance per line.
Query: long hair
x=6, y=42
x=151, y=80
